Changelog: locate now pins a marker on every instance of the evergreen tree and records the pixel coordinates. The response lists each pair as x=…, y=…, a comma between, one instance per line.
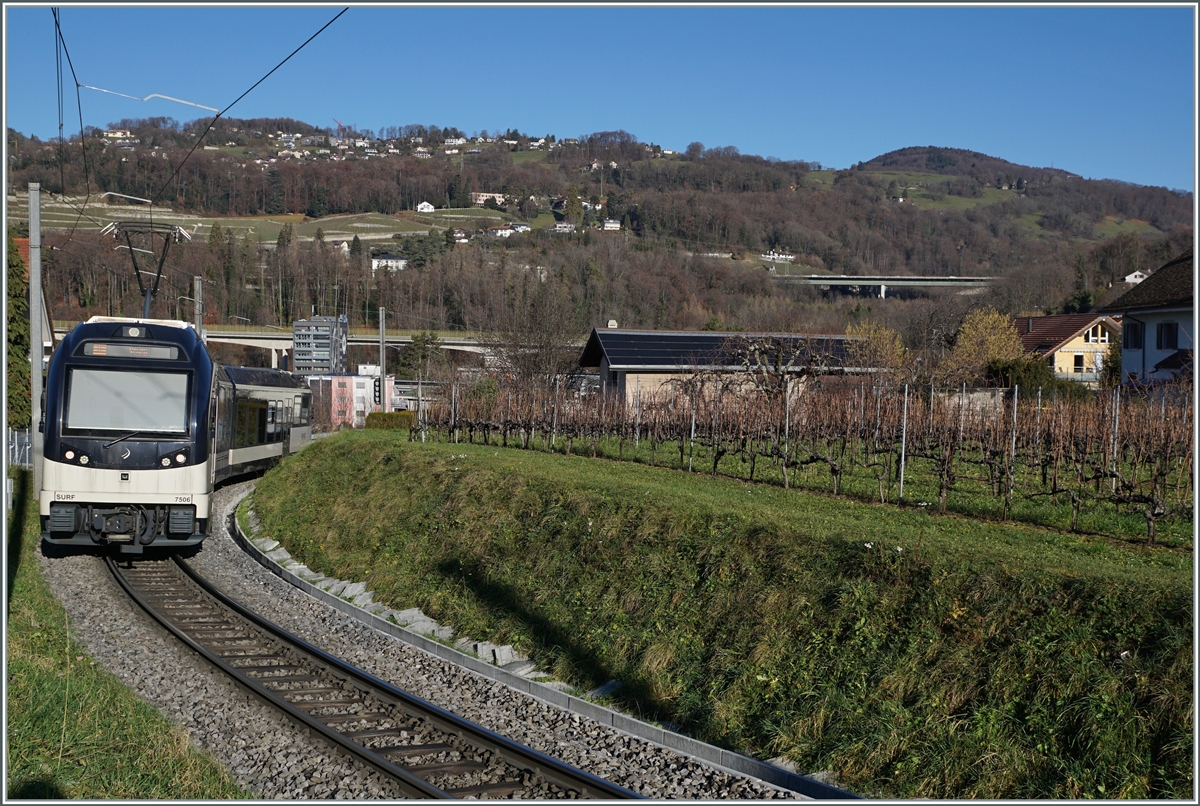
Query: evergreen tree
x=20, y=404
x=274, y=192
x=573, y=210
x=215, y=236
x=319, y=207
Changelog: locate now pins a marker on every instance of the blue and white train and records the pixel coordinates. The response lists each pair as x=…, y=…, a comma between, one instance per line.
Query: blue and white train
x=140, y=425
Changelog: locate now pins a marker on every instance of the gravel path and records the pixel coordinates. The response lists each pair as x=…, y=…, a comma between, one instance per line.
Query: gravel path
x=269, y=757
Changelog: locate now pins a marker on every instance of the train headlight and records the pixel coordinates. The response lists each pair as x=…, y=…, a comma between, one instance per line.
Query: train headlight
x=180, y=458
x=69, y=455
x=166, y=461
x=83, y=459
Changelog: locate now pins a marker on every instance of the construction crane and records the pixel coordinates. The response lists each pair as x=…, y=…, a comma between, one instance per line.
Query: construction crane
x=341, y=129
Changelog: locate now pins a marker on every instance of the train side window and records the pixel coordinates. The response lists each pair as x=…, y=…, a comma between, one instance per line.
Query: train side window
x=296, y=411
x=284, y=418
x=240, y=438
x=270, y=421
x=305, y=401
x=261, y=435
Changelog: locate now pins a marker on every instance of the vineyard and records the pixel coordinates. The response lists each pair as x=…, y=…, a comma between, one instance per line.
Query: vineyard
x=1111, y=463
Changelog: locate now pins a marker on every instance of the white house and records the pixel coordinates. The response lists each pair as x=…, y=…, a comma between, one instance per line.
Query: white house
x=1136, y=277
x=1156, y=324
x=393, y=263
x=611, y=225
x=519, y=227
x=564, y=226
x=425, y=207
x=500, y=232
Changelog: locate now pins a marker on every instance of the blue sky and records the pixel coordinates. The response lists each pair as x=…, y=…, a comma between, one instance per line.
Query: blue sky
x=1102, y=92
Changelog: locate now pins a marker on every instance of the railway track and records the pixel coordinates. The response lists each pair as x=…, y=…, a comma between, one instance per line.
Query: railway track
x=428, y=752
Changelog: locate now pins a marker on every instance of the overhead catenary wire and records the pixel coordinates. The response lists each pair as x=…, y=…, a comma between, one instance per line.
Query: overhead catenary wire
x=60, y=51
x=208, y=128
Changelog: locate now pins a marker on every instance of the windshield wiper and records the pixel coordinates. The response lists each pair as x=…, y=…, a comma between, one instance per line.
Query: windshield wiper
x=122, y=439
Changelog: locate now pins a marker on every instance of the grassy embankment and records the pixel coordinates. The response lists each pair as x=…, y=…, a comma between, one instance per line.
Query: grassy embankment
x=972, y=494
x=913, y=654
x=74, y=730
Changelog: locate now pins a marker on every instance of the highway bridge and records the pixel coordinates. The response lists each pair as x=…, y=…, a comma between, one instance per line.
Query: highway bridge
x=882, y=281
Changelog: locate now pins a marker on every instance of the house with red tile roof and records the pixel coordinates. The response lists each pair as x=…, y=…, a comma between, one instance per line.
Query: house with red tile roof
x=1156, y=317
x=1074, y=345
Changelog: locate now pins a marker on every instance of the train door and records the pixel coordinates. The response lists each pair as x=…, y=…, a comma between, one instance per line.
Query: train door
x=223, y=417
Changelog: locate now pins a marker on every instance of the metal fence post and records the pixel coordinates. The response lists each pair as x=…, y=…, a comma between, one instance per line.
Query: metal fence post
x=903, y=442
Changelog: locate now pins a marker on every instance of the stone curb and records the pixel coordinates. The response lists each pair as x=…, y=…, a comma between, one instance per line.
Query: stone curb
x=726, y=760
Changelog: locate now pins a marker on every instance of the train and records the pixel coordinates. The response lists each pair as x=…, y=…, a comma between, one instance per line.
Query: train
x=140, y=426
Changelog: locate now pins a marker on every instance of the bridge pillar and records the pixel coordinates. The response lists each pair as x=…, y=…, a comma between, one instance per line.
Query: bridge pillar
x=274, y=358
x=882, y=290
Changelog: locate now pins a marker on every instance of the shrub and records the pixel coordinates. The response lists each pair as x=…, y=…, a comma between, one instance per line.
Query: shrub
x=391, y=420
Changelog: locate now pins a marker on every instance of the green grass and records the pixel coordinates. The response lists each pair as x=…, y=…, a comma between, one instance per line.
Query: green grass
x=915, y=655
x=74, y=730
x=1111, y=227
x=971, y=494
x=522, y=157
x=542, y=221
x=456, y=215
x=920, y=199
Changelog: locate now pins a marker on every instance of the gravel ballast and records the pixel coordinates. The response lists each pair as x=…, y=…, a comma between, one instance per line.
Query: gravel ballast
x=271, y=758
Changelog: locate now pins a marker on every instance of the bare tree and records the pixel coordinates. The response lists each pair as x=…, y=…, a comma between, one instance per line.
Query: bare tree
x=532, y=329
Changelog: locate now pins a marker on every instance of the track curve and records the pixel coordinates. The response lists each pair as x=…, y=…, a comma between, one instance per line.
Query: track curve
x=427, y=751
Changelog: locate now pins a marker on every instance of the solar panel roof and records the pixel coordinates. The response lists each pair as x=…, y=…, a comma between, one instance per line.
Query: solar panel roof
x=257, y=376
x=627, y=350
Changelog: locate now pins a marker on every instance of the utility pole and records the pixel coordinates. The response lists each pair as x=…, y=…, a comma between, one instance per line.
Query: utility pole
x=36, y=349
x=198, y=294
x=382, y=359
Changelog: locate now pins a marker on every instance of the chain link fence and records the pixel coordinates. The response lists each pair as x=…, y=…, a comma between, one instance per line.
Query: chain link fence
x=19, y=448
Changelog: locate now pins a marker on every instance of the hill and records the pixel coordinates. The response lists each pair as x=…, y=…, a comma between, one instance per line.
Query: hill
x=1052, y=239
x=960, y=162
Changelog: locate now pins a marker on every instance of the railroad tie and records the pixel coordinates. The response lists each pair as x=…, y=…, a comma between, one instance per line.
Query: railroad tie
x=498, y=788
x=371, y=716
x=444, y=767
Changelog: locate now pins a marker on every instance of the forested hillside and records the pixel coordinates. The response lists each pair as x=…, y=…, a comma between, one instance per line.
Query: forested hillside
x=1055, y=241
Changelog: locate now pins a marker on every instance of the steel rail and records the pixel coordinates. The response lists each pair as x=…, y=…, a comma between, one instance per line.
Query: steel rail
x=548, y=768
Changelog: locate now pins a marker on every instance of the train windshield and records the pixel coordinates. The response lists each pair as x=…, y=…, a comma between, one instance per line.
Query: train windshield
x=107, y=400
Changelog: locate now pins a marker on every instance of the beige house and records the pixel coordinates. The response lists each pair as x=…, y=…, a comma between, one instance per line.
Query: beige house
x=1073, y=345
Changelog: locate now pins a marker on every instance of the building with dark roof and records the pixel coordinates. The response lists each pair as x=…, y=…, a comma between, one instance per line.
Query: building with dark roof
x=1156, y=323
x=633, y=362
x=1074, y=345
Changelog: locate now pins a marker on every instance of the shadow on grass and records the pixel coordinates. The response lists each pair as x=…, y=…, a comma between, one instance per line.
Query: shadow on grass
x=16, y=529
x=37, y=789
x=504, y=601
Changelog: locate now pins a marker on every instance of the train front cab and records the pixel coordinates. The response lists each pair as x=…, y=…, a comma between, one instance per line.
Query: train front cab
x=126, y=450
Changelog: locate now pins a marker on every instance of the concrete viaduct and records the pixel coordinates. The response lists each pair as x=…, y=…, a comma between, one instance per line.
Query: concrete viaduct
x=884, y=282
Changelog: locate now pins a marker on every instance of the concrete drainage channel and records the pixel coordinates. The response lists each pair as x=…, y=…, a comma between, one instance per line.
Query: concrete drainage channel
x=411, y=620
x=505, y=665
